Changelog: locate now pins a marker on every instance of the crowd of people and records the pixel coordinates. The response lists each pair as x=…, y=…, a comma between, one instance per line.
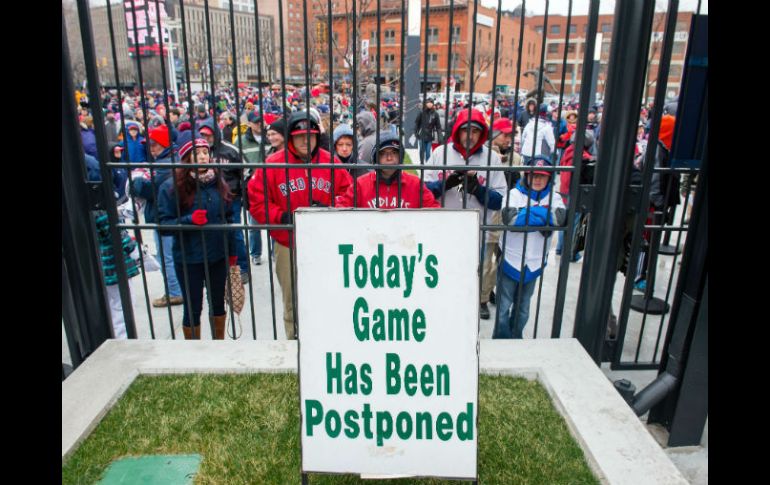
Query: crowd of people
x=274, y=129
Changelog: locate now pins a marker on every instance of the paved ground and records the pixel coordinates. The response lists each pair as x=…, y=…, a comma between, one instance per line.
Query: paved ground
x=263, y=294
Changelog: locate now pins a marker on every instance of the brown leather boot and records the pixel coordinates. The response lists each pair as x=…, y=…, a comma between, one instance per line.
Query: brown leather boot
x=219, y=327
x=188, y=333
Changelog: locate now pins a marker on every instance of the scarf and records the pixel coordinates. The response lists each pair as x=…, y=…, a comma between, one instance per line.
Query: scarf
x=205, y=178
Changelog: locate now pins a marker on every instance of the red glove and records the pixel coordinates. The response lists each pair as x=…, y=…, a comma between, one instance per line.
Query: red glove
x=233, y=260
x=199, y=217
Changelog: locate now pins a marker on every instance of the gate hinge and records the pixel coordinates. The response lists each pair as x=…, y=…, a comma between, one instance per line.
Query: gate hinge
x=585, y=198
x=634, y=199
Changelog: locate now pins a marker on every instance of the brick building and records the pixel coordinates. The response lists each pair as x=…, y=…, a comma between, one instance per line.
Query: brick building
x=555, y=46
x=438, y=39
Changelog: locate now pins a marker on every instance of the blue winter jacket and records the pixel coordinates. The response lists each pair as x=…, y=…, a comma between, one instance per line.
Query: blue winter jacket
x=119, y=176
x=141, y=187
x=136, y=151
x=89, y=142
x=209, y=199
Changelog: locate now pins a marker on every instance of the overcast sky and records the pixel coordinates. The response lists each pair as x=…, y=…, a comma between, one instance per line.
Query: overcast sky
x=580, y=7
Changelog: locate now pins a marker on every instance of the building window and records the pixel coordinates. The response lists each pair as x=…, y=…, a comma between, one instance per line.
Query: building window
x=390, y=36
x=456, y=33
x=571, y=48
x=675, y=71
x=553, y=48
x=570, y=67
x=607, y=27
x=539, y=29
x=556, y=29
x=373, y=38
x=682, y=26
x=433, y=61
x=573, y=29
x=550, y=68
x=605, y=47
x=433, y=34
x=678, y=48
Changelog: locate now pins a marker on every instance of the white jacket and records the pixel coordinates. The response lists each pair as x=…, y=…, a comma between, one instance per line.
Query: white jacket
x=544, y=134
x=514, y=241
x=453, y=198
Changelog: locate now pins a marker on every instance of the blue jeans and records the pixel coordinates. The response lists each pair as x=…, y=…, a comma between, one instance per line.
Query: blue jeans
x=510, y=321
x=560, y=241
x=168, y=261
x=240, y=245
x=255, y=240
x=426, y=148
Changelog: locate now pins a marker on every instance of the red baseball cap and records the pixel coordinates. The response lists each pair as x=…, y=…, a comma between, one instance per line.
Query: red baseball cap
x=503, y=125
x=206, y=130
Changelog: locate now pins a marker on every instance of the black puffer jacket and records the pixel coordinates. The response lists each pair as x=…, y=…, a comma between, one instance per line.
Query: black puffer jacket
x=223, y=152
x=428, y=125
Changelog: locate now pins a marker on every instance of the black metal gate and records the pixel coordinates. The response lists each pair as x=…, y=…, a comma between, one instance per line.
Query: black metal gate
x=613, y=207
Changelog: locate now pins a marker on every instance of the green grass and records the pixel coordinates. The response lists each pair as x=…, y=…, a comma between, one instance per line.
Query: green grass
x=246, y=427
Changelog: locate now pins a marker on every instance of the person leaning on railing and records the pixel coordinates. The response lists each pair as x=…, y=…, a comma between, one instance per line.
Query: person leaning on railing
x=275, y=190
x=204, y=198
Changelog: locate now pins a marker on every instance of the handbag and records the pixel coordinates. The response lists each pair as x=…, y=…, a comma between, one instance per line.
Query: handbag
x=150, y=262
x=235, y=295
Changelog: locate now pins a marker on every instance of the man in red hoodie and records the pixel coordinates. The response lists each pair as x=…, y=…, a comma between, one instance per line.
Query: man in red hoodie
x=388, y=188
x=283, y=190
x=471, y=188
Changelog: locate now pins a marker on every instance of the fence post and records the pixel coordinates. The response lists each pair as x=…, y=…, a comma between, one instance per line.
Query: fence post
x=79, y=249
x=625, y=82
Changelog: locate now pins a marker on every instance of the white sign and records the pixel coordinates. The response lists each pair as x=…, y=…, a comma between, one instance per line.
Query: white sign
x=484, y=20
x=388, y=341
x=678, y=36
x=365, y=51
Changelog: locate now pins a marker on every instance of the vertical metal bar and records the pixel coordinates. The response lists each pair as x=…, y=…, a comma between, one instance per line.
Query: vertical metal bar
x=448, y=103
x=508, y=192
x=425, y=94
x=89, y=55
x=79, y=249
x=401, y=136
x=286, y=163
x=199, y=194
x=264, y=165
x=190, y=109
x=556, y=159
x=378, y=111
x=137, y=233
x=470, y=104
x=229, y=234
x=355, y=98
x=146, y=148
x=624, y=86
x=489, y=148
x=329, y=36
x=530, y=173
x=574, y=196
x=647, y=171
x=170, y=128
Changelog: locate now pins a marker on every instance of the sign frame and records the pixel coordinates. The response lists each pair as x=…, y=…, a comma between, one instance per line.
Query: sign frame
x=475, y=236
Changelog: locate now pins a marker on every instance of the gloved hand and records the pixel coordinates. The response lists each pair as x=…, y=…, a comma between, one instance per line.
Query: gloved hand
x=473, y=183
x=454, y=179
x=509, y=214
x=286, y=218
x=528, y=217
x=233, y=260
x=541, y=214
x=199, y=217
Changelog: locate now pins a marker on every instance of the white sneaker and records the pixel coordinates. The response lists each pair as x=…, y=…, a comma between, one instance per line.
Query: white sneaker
x=256, y=260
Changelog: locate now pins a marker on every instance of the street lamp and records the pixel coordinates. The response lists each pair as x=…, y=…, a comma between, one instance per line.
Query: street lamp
x=172, y=24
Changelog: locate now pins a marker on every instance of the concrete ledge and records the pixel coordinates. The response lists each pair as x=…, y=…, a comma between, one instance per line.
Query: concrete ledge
x=617, y=446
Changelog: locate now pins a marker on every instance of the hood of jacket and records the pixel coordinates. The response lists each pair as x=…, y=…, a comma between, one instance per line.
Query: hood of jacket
x=462, y=118
x=209, y=122
x=367, y=123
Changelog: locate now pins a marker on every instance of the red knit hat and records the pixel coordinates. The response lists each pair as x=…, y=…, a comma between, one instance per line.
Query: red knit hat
x=666, y=134
x=160, y=136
